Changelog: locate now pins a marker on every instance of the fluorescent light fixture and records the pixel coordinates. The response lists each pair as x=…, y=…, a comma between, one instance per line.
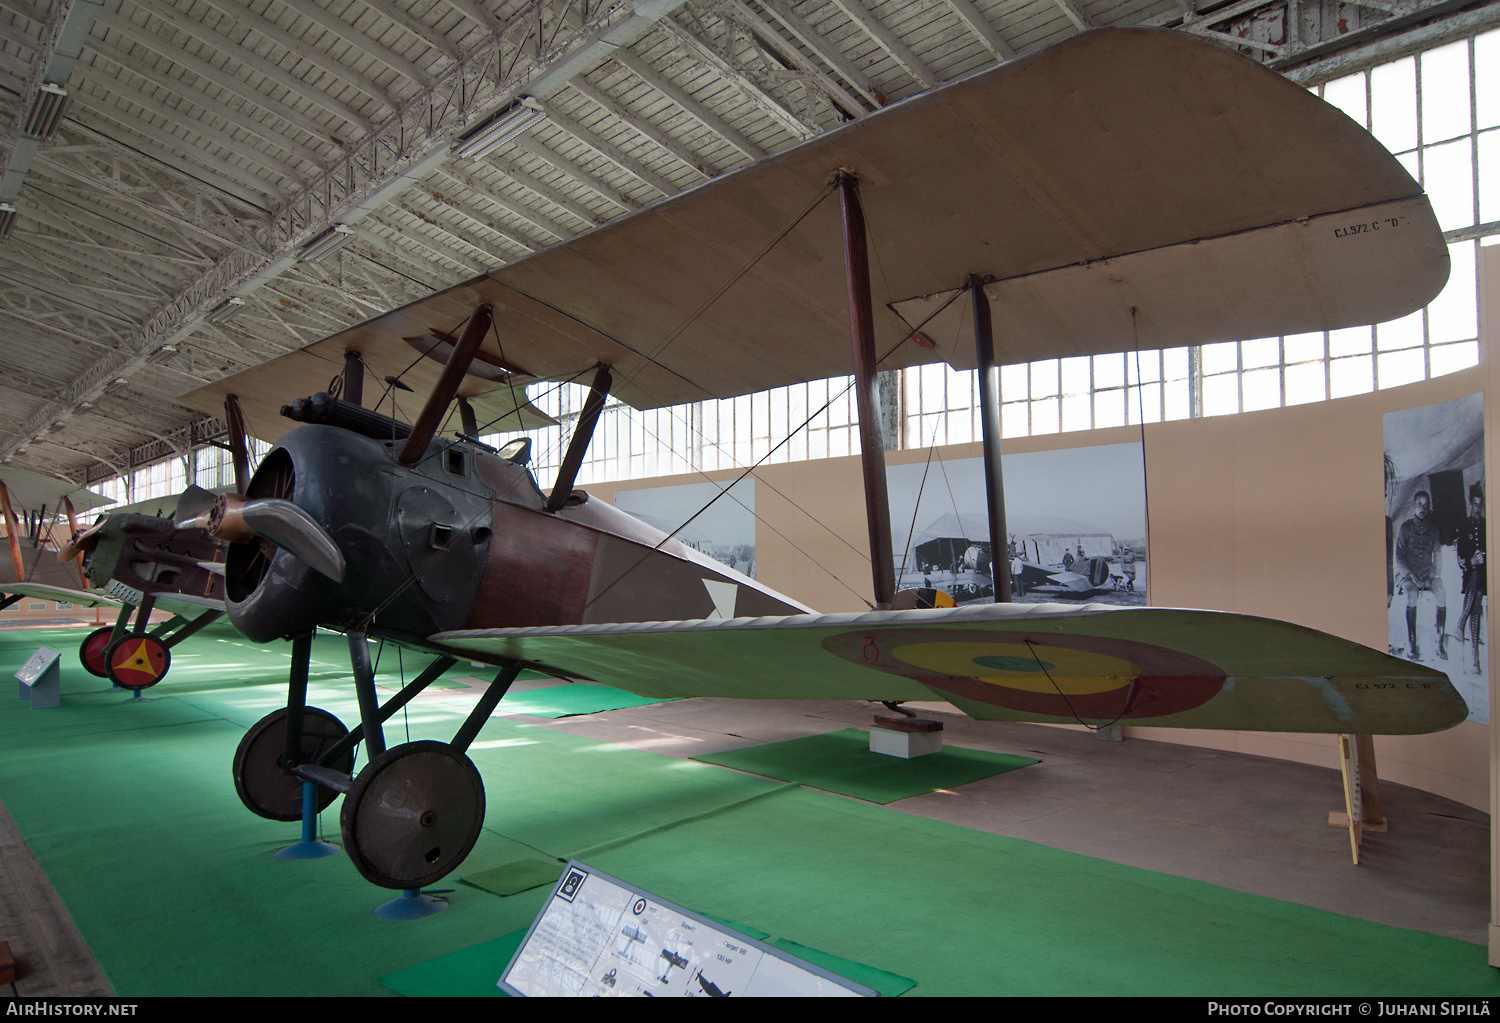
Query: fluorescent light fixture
x=226, y=310
x=7, y=219
x=500, y=129
x=330, y=241
x=46, y=111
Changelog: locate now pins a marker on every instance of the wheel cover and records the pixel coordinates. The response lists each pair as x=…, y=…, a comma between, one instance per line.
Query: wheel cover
x=138, y=662
x=263, y=784
x=91, y=651
x=413, y=814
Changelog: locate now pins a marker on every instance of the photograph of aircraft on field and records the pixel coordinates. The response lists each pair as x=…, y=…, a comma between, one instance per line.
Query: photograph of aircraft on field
x=724, y=530
x=1076, y=521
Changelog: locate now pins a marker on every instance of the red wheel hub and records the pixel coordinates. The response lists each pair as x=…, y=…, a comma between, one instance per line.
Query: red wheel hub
x=91, y=651
x=138, y=662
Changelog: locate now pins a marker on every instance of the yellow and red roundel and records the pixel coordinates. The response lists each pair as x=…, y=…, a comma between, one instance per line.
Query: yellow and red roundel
x=138, y=662
x=1044, y=673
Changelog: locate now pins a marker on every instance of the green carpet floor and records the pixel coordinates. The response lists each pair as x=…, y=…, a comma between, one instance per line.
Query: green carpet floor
x=842, y=762
x=130, y=808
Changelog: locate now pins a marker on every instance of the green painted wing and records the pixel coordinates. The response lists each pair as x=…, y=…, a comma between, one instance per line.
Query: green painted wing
x=1013, y=662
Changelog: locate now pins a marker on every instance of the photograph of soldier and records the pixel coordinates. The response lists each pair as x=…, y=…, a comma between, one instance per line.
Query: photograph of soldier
x=1434, y=511
x=1416, y=562
x=1476, y=586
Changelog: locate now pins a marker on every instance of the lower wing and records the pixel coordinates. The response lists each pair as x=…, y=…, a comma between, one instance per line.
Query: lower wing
x=1093, y=664
x=40, y=591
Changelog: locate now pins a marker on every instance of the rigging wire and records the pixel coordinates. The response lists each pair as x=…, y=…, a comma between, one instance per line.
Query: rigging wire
x=1125, y=709
x=762, y=460
x=667, y=341
x=1140, y=389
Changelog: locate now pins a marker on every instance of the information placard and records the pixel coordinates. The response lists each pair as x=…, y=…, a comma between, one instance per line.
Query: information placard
x=39, y=662
x=600, y=936
x=41, y=679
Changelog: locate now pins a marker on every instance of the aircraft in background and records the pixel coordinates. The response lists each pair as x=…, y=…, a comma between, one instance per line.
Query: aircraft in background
x=1088, y=198
x=34, y=505
x=127, y=561
x=146, y=563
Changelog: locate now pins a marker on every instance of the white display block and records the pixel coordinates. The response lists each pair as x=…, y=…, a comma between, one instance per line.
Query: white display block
x=599, y=936
x=906, y=745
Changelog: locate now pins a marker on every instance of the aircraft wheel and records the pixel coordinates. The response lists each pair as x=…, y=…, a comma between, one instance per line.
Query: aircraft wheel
x=91, y=651
x=137, y=662
x=413, y=814
x=264, y=784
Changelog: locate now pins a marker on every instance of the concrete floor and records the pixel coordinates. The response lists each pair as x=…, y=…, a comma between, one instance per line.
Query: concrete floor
x=1244, y=822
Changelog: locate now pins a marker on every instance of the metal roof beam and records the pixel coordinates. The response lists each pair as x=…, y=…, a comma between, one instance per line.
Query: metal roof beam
x=430, y=36
x=225, y=175
x=643, y=70
x=436, y=249
x=889, y=41
x=980, y=26
x=482, y=224
x=1074, y=12
x=346, y=33
x=700, y=50
x=609, y=150
x=91, y=230
x=577, y=171
x=551, y=228
x=823, y=48
x=766, y=38
x=184, y=93
x=242, y=55
x=207, y=72
x=555, y=196
x=699, y=165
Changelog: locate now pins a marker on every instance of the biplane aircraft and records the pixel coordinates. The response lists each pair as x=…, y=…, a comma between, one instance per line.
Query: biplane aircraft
x=127, y=561
x=33, y=569
x=1125, y=188
x=145, y=562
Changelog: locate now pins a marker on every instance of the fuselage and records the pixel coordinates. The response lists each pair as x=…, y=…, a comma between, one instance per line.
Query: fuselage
x=462, y=540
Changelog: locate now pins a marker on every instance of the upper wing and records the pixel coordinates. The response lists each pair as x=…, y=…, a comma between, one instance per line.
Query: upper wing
x=41, y=591
x=1015, y=662
x=1124, y=188
x=34, y=490
x=498, y=405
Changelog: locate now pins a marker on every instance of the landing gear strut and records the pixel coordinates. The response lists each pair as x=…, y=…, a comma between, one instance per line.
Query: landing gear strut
x=411, y=815
x=133, y=658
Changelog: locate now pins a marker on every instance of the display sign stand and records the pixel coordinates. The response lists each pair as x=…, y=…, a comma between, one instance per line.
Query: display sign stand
x=598, y=935
x=41, y=679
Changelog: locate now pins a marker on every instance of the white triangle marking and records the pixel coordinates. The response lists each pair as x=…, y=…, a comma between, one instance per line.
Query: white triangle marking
x=724, y=596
